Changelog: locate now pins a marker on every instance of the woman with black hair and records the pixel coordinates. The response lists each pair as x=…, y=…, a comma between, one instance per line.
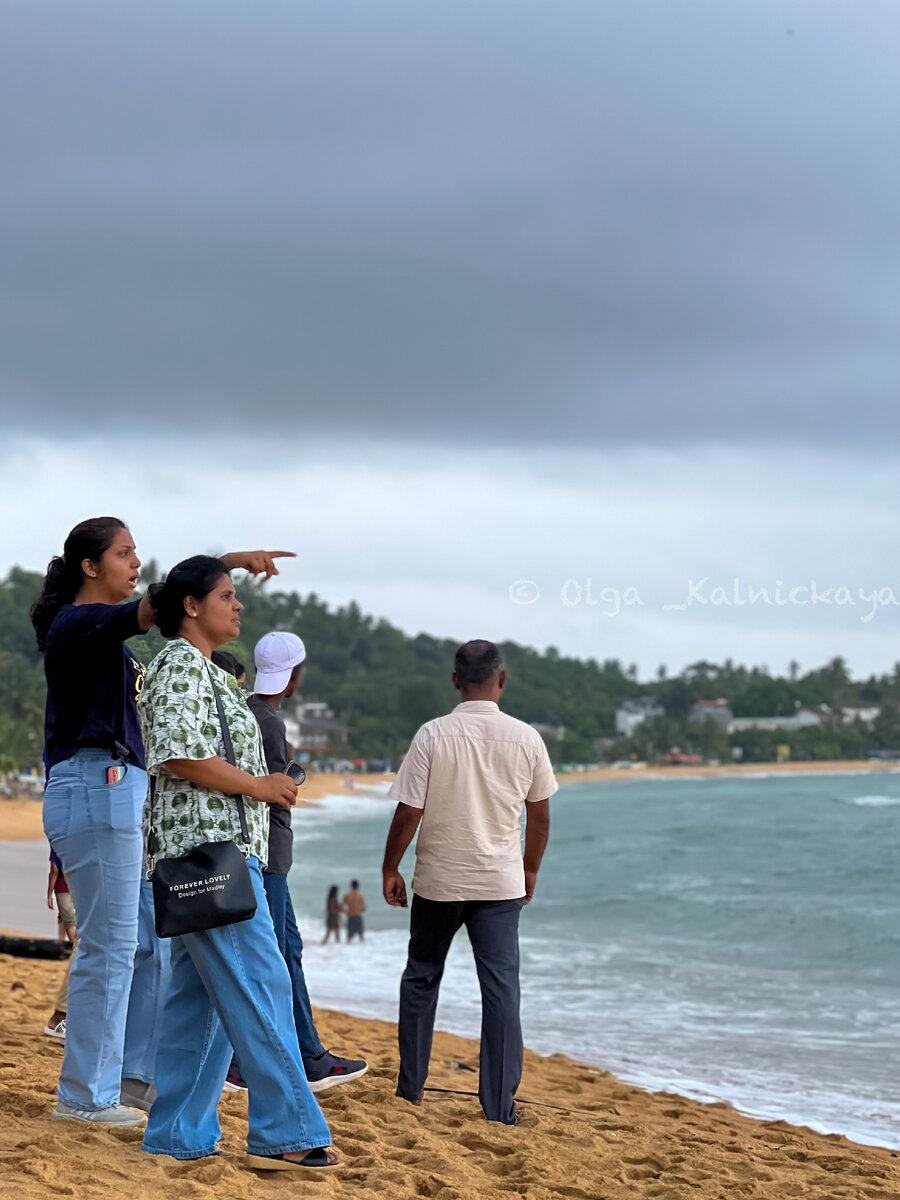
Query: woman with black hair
x=332, y=915
x=230, y=985
x=95, y=792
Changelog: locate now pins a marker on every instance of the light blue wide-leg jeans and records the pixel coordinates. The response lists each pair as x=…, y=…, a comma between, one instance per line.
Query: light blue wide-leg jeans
x=230, y=987
x=95, y=828
x=149, y=988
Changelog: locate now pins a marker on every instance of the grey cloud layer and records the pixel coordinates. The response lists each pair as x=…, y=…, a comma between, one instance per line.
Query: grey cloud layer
x=504, y=220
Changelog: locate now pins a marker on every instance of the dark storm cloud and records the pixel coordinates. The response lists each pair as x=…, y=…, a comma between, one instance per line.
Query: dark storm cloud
x=661, y=221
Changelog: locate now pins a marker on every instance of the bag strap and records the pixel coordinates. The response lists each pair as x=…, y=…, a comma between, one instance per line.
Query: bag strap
x=229, y=754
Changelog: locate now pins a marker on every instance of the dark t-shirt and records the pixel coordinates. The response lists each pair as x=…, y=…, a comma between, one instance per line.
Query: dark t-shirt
x=93, y=682
x=274, y=738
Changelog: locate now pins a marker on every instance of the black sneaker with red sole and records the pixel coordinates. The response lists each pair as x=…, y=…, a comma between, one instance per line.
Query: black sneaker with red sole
x=327, y=1071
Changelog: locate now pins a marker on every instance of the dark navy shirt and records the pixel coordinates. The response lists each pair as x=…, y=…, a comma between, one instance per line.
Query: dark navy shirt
x=274, y=737
x=93, y=681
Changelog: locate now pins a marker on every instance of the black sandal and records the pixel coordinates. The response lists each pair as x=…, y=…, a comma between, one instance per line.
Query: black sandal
x=277, y=1162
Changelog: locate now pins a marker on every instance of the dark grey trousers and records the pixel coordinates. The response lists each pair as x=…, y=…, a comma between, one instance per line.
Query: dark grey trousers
x=493, y=929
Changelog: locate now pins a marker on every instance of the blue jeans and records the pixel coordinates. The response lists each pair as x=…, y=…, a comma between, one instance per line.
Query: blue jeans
x=149, y=987
x=230, y=986
x=95, y=828
x=291, y=946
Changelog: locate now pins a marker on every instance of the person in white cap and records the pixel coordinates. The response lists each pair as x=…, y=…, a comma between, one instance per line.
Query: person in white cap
x=279, y=659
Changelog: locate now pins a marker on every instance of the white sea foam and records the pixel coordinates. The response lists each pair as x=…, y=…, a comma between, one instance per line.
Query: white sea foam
x=873, y=801
x=363, y=979
x=688, y=776
x=353, y=805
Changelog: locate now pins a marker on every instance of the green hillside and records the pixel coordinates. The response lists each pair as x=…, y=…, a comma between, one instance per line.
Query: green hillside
x=382, y=684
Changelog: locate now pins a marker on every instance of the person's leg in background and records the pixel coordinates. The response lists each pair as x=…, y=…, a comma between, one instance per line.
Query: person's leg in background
x=149, y=987
x=324, y=1070
x=291, y=946
x=432, y=926
x=65, y=915
x=276, y=898
x=94, y=826
x=56, y=1025
x=493, y=928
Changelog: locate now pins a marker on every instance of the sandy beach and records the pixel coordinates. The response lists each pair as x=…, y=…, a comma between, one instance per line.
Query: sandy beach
x=725, y=771
x=584, y=1134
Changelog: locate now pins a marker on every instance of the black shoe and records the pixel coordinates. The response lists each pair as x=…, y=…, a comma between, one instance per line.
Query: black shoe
x=327, y=1071
x=235, y=1082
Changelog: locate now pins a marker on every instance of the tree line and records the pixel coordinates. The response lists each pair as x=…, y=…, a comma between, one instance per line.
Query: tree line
x=382, y=684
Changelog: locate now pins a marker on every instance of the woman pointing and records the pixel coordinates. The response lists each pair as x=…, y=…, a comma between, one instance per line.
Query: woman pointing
x=95, y=792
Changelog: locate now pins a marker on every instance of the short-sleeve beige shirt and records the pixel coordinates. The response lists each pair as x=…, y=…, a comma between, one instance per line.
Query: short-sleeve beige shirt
x=471, y=772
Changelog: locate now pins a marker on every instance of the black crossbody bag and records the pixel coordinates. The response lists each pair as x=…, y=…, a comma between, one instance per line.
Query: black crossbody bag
x=211, y=886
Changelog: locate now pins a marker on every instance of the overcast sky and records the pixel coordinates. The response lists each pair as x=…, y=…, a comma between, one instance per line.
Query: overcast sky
x=454, y=295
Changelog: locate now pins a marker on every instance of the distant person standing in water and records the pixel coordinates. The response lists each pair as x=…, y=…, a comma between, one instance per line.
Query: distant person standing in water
x=354, y=905
x=332, y=915
x=466, y=778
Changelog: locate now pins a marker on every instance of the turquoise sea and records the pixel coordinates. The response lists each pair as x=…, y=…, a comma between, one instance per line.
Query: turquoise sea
x=732, y=939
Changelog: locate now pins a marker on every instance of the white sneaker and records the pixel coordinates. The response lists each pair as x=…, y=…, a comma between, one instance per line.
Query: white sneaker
x=58, y=1032
x=115, y=1114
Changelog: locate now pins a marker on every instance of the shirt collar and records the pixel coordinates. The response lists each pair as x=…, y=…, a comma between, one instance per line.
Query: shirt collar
x=478, y=706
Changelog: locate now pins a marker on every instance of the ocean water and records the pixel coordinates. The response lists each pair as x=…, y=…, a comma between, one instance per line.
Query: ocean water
x=727, y=939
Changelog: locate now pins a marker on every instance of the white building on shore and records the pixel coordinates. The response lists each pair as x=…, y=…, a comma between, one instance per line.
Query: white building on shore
x=633, y=713
x=803, y=718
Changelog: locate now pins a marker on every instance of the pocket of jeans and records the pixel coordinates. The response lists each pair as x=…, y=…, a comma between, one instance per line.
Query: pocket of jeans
x=57, y=811
x=118, y=805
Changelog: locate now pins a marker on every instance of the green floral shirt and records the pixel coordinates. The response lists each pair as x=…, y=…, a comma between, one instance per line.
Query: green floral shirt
x=178, y=716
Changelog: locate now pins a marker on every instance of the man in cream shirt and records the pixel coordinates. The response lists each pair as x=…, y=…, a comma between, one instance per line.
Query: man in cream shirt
x=466, y=778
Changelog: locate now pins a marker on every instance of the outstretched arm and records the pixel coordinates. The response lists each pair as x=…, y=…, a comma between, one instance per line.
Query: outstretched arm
x=403, y=827
x=257, y=562
x=537, y=831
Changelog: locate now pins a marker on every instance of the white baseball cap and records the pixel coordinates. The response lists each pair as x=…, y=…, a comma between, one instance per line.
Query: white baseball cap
x=276, y=655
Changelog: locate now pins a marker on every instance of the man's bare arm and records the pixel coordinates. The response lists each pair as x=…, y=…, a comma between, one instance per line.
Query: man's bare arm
x=403, y=827
x=537, y=832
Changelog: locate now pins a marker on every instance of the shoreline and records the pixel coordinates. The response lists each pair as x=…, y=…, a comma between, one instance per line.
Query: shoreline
x=584, y=1134
x=21, y=821
x=731, y=771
